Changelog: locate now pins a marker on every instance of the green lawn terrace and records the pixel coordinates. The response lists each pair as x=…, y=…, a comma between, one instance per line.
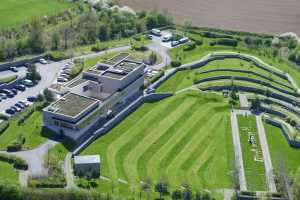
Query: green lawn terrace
x=284, y=158
x=8, y=174
x=183, y=139
x=14, y=12
x=252, y=154
x=187, y=78
x=263, y=53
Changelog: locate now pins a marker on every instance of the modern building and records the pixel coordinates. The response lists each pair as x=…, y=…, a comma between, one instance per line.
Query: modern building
x=101, y=92
x=87, y=166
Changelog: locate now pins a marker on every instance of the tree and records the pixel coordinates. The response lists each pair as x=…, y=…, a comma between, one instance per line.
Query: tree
x=198, y=196
x=162, y=188
x=48, y=95
x=33, y=74
x=55, y=40
x=187, y=193
x=176, y=195
x=152, y=58
x=36, y=40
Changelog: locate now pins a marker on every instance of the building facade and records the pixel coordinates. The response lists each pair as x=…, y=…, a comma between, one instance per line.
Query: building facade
x=99, y=94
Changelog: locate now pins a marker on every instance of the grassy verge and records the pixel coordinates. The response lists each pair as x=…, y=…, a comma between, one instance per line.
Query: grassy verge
x=8, y=174
x=8, y=79
x=252, y=154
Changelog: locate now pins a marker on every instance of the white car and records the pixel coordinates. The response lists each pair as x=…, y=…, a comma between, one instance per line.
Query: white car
x=43, y=61
x=3, y=96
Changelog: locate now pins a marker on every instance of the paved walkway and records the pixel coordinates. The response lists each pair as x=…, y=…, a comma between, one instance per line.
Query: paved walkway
x=69, y=172
x=238, y=151
x=266, y=154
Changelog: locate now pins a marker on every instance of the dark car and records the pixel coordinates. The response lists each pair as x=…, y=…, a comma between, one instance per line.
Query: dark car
x=32, y=98
x=10, y=94
x=19, y=105
x=24, y=103
x=15, y=91
x=20, y=87
x=14, y=109
x=10, y=111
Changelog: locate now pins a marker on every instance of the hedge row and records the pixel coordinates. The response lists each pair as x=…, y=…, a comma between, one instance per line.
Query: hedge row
x=3, y=126
x=17, y=162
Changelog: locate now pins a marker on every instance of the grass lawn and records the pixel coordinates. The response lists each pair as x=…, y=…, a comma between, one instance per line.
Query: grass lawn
x=15, y=12
x=8, y=174
x=281, y=152
x=184, y=139
x=254, y=169
x=200, y=51
x=31, y=130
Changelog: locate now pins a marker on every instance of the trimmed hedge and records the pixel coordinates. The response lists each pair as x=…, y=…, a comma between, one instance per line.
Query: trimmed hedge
x=225, y=42
x=16, y=145
x=175, y=63
x=3, y=126
x=17, y=162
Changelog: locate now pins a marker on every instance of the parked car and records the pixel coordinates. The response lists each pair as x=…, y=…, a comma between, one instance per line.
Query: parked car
x=15, y=109
x=167, y=37
x=67, y=76
x=10, y=111
x=14, y=69
x=67, y=71
x=21, y=106
x=3, y=96
x=43, y=61
x=10, y=95
x=156, y=32
x=15, y=91
x=24, y=103
x=28, y=83
x=183, y=40
x=20, y=87
x=148, y=36
x=32, y=99
x=62, y=79
x=174, y=43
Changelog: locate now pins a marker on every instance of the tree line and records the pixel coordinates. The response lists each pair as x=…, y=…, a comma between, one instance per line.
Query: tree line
x=89, y=27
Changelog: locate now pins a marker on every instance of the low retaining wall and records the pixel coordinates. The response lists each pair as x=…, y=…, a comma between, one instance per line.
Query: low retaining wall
x=291, y=142
x=251, y=80
x=20, y=63
x=157, y=96
x=248, y=72
x=251, y=89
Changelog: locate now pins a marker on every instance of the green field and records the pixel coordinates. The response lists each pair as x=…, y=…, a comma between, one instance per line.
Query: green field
x=15, y=12
x=8, y=174
x=32, y=131
x=252, y=154
x=282, y=154
x=184, y=139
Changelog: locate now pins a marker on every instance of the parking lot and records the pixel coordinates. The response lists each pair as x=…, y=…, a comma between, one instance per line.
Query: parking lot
x=48, y=73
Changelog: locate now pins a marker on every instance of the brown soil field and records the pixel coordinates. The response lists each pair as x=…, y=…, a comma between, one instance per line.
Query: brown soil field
x=264, y=16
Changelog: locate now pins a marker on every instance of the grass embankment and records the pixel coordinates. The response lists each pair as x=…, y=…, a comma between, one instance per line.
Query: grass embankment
x=184, y=139
x=31, y=130
x=8, y=174
x=252, y=154
x=14, y=12
x=265, y=54
x=186, y=78
x=8, y=79
x=281, y=153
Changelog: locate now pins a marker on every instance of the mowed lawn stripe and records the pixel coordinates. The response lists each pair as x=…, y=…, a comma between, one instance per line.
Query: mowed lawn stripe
x=130, y=163
x=120, y=146
x=156, y=157
x=200, y=157
x=173, y=171
x=210, y=173
x=103, y=142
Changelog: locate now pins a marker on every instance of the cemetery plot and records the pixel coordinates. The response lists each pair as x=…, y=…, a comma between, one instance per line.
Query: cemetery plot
x=252, y=153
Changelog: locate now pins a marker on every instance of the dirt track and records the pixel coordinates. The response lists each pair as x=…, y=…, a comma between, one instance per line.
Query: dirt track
x=267, y=16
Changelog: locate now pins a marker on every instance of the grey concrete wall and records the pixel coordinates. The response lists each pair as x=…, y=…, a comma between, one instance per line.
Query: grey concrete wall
x=157, y=96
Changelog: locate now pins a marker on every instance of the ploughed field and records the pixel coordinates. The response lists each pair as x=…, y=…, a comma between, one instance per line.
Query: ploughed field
x=269, y=16
x=183, y=139
x=15, y=12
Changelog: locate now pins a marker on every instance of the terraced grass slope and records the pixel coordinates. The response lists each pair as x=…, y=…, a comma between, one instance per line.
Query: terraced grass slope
x=184, y=139
x=8, y=174
x=15, y=12
x=252, y=154
x=282, y=155
x=186, y=78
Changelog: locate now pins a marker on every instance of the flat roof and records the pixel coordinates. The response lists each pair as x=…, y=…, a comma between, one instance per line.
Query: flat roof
x=122, y=69
x=71, y=104
x=91, y=159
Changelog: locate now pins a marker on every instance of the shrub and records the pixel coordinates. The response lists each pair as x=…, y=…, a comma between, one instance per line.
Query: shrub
x=190, y=46
x=225, y=42
x=215, y=35
x=139, y=47
x=16, y=145
x=60, y=55
x=175, y=63
x=3, y=126
x=99, y=47
x=17, y=162
x=3, y=117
